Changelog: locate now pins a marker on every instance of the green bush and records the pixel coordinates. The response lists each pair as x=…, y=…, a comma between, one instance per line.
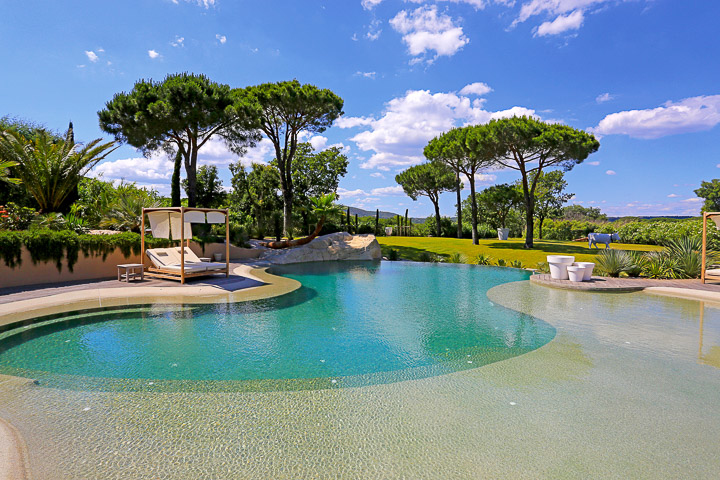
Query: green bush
x=393, y=255
x=456, y=257
x=50, y=245
x=613, y=262
x=516, y=264
x=501, y=262
x=16, y=217
x=483, y=259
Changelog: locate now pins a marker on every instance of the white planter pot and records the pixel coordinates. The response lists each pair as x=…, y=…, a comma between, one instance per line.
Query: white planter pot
x=575, y=273
x=388, y=231
x=558, y=271
x=589, y=266
x=560, y=259
x=218, y=257
x=503, y=233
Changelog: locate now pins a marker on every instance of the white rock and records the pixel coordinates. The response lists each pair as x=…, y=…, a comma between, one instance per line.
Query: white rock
x=335, y=246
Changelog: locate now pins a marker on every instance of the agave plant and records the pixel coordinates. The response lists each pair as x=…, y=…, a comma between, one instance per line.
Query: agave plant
x=686, y=254
x=613, y=262
x=516, y=264
x=50, y=169
x=483, y=259
x=501, y=262
x=456, y=257
x=658, y=265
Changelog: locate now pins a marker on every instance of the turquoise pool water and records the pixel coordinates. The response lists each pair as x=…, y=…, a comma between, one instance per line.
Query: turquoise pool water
x=350, y=324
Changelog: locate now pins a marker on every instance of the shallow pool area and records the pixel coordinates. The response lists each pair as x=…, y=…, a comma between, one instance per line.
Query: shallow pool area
x=626, y=386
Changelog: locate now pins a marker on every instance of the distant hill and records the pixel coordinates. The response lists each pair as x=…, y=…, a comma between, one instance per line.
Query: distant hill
x=371, y=213
x=654, y=217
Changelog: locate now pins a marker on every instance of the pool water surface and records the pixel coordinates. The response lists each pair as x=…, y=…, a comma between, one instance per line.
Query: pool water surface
x=349, y=324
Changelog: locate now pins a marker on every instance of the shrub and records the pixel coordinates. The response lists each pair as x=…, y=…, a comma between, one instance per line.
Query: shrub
x=516, y=264
x=613, y=262
x=501, y=262
x=456, y=257
x=393, y=255
x=483, y=259
x=16, y=217
x=543, y=267
x=658, y=265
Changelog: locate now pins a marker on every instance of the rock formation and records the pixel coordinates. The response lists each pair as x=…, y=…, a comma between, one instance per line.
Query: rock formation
x=335, y=246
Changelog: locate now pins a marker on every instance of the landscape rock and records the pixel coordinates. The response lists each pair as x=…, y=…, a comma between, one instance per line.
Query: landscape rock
x=335, y=246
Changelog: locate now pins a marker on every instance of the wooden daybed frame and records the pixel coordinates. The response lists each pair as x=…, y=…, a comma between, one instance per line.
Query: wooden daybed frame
x=705, y=274
x=152, y=271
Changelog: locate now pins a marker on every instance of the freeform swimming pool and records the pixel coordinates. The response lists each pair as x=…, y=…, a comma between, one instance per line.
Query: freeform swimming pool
x=350, y=324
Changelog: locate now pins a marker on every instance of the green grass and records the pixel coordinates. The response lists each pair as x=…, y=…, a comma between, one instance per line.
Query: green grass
x=410, y=248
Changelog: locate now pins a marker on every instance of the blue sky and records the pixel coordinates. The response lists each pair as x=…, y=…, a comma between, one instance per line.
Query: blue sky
x=643, y=75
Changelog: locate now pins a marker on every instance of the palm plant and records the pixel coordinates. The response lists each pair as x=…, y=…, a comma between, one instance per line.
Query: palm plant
x=5, y=172
x=323, y=206
x=122, y=209
x=51, y=169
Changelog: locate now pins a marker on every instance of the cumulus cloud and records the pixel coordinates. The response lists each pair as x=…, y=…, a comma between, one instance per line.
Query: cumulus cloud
x=605, y=97
x=610, y=172
x=398, y=136
x=92, y=56
x=370, y=4
x=693, y=114
x=221, y=38
x=145, y=171
x=425, y=31
x=377, y=175
x=153, y=54
x=318, y=142
x=389, y=191
x=477, y=88
x=562, y=23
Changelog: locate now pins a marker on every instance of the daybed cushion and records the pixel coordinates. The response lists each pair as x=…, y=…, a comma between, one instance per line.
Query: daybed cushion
x=714, y=272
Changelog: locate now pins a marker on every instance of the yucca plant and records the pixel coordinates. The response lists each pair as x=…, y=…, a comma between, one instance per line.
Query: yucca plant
x=516, y=264
x=637, y=260
x=456, y=257
x=658, y=265
x=613, y=262
x=543, y=267
x=483, y=259
x=501, y=262
x=50, y=170
x=686, y=255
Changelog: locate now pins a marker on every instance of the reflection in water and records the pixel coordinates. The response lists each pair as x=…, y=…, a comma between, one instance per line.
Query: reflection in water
x=712, y=356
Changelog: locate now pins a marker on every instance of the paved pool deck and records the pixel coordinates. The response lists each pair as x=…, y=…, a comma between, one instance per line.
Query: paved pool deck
x=686, y=288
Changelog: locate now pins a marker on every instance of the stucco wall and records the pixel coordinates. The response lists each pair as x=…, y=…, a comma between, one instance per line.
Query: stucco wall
x=92, y=268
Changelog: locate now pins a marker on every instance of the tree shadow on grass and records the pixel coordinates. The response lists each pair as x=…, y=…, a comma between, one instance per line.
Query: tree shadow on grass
x=545, y=247
x=410, y=253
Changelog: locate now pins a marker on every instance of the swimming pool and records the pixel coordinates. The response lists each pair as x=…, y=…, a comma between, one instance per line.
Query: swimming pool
x=349, y=324
x=627, y=388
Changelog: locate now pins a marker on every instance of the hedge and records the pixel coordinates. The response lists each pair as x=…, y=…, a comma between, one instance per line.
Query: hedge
x=52, y=245
x=652, y=232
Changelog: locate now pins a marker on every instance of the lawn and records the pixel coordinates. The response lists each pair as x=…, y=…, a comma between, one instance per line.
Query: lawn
x=409, y=248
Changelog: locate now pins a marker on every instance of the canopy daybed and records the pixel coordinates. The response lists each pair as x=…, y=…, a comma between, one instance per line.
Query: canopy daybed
x=712, y=273
x=179, y=263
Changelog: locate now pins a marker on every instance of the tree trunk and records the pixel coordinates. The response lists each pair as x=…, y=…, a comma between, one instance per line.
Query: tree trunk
x=459, y=206
x=175, y=196
x=529, y=215
x=540, y=225
x=473, y=204
x=436, y=203
x=299, y=241
x=377, y=220
x=287, y=212
x=191, y=171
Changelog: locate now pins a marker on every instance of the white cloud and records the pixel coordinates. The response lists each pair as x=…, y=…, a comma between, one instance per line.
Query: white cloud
x=156, y=169
x=199, y=3
x=692, y=200
x=594, y=163
x=369, y=4
x=178, y=42
x=377, y=175
x=424, y=31
x=374, y=30
x=397, y=138
x=318, y=142
x=393, y=190
x=153, y=54
x=605, y=97
x=610, y=172
x=477, y=88
x=221, y=38
x=480, y=179
x=344, y=193
x=673, y=195
x=562, y=23
x=693, y=114
x=92, y=56
x=365, y=74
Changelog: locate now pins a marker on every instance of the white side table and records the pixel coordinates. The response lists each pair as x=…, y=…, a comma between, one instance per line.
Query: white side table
x=130, y=271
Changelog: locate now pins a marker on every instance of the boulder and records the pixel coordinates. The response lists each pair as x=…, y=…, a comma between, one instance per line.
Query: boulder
x=335, y=246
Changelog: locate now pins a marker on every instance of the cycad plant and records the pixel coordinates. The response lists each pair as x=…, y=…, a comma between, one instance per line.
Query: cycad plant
x=122, y=208
x=50, y=169
x=5, y=172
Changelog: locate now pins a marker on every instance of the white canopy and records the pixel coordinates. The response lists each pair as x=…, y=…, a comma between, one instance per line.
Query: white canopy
x=215, y=217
